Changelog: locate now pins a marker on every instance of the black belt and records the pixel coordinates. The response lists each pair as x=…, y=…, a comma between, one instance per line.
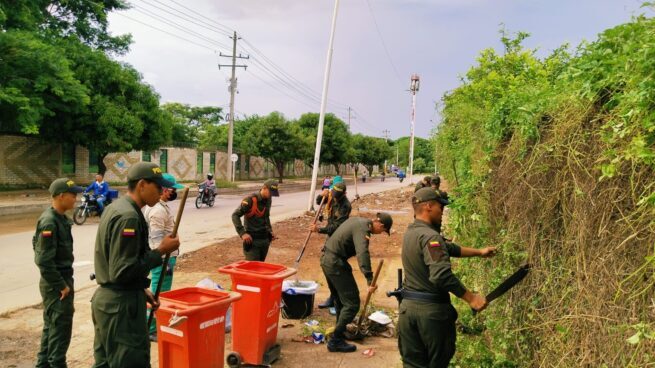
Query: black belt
x=259, y=235
x=123, y=287
x=426, y=297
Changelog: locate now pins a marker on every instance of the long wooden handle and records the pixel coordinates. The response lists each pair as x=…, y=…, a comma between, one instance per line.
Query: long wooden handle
x=369, y=294
x=309, y=234
x=167, y=257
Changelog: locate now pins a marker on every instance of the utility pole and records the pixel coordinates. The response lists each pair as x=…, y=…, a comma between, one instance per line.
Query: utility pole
x=349, y=110
x=385, y=133
x=321, y=118
x=233, y=89
x=413, y=88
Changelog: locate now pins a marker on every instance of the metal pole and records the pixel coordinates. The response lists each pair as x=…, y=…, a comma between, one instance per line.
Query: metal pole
x=321, y=119
x=414, y=86
x=233, y=88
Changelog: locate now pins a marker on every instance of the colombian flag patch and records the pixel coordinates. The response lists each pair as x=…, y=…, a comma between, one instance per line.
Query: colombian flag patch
x=129, y=232
x=434, y=244
x=46, y=234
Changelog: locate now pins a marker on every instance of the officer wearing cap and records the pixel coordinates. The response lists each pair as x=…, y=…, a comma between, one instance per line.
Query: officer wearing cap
x=425, y=183
x=53, y=254
x=426, y=322
x=256, y=230
x=338, y=208
x=349, y=240
x=161, y=221
x=123, y=260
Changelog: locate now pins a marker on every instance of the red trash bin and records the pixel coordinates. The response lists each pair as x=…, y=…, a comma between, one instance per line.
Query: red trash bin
x=198, y=337
x=255, y=317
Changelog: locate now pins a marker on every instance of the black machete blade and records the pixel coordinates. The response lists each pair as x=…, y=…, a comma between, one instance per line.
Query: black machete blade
x=509, y=283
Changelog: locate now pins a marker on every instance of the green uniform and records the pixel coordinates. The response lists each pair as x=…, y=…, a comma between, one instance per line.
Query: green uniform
x=420, y=185
x=350, y=239
x=53, y=254
x=123, y=260
x=257, y=223
x=426, y=329
x=338, y=211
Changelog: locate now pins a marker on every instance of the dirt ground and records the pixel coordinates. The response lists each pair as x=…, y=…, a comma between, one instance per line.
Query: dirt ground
x=20, y=330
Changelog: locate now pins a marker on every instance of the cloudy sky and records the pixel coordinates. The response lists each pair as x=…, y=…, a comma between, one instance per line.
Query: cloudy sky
x=287, y=42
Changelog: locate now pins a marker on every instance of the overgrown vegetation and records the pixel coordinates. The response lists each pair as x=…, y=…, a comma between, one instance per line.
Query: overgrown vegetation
x=553, y=160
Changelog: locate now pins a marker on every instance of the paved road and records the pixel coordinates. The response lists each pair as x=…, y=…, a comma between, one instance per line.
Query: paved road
x=19, y=277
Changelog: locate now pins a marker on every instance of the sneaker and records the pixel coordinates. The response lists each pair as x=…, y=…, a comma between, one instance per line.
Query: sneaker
x=328, y=303
x=153, y=337
x=340, y=346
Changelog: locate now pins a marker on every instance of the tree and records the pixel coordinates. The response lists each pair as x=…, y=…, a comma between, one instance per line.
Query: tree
x=216, y=135
x=335, y=143
x=192, y=123
x=81, y=20
x=369, y=151
x=276, y=140
x=423, y=149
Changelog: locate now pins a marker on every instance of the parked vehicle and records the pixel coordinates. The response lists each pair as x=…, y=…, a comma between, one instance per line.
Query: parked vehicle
x=206, y=195
x=89, y=207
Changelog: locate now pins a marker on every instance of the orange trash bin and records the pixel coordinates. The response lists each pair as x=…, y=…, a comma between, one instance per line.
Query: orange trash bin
x=255, y=317
x=191, y=327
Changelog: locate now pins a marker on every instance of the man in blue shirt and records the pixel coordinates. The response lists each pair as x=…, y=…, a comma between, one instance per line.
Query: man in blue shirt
x=101, y=190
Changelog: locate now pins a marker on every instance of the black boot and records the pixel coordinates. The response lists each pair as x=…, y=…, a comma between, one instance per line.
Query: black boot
x=337, y=345
x=328, y=303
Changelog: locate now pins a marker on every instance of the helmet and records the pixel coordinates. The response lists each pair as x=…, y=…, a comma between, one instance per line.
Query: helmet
x=210, y=176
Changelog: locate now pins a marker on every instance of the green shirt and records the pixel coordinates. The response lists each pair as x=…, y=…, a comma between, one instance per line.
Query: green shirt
x=253, y=225
x=339, y=211
x=351, y=239
x=123, y=258
x=53, y=248
x=420, y=185
x=426, y=261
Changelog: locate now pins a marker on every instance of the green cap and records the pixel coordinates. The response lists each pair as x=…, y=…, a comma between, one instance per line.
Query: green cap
x=337, y=179
x=386, y=220
x=339, y=187
x=427, y=179
x=171, y=178
x=148, y=171
x=272, y=185
x=435, y=180
x=64, y=185
x=429, y=194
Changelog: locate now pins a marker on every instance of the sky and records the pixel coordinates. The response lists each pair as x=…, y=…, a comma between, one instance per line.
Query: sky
x=378, y=45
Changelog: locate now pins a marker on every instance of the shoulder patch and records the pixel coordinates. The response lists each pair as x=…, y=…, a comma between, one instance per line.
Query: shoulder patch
x=129, y=232
x=46, y=234
x=434, y=243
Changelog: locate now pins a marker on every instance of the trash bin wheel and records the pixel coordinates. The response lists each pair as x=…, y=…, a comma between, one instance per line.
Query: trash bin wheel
x=233, y=360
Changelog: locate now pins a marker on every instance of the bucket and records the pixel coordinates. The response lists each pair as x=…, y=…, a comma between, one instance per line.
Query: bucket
x=298, y=298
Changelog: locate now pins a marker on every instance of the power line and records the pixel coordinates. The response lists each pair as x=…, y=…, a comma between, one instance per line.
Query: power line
x=168, y=33
x=384, y=45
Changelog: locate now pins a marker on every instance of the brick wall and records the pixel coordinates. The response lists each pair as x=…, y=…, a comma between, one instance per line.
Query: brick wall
x=28, y=161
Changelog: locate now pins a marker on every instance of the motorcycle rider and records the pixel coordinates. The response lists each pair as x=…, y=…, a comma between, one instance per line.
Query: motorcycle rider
x=101, y=190
x=210, y=184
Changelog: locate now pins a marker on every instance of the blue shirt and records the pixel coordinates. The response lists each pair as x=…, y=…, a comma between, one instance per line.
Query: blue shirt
x=100, y=189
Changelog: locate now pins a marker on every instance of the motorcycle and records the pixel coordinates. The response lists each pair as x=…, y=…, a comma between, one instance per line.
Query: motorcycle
x=87, y=208
x=205, y=196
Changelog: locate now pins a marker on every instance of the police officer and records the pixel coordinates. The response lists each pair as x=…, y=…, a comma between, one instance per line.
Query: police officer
x=338, y=208
x=425, y=183
x=349, y=240
x=53, y=254
x=426, y=323
x=256, y=230
x=435, y=182
x=123, y=260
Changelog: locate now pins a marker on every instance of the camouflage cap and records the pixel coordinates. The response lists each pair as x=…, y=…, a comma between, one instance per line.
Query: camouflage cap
x=429, y=194
x=386, y=220
x=339, y=187
x=148, y=171
x=64, y=185
x=273, y=186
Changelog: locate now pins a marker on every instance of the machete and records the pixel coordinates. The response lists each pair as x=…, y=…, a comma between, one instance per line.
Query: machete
x=509, y=283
